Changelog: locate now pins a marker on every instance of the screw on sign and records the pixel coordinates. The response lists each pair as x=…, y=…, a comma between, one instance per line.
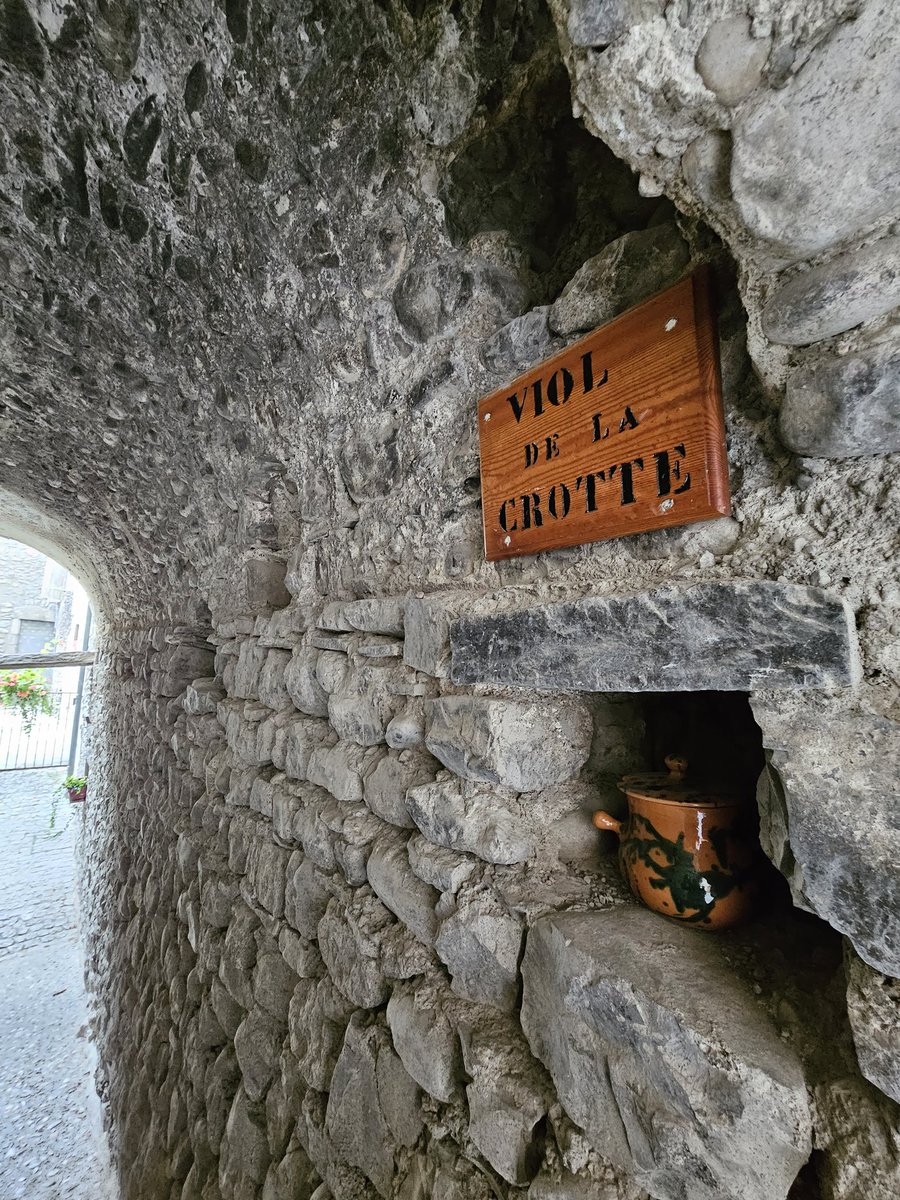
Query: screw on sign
x=620, y=433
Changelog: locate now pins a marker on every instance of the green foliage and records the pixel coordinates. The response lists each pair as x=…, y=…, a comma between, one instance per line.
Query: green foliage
x=73, y=783
x=27, y=693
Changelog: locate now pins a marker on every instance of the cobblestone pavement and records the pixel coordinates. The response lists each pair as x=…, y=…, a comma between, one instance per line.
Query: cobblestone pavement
x=51, y=1144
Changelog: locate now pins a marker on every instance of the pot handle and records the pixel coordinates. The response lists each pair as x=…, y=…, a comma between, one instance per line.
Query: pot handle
x=678, y=766
x=604, y=820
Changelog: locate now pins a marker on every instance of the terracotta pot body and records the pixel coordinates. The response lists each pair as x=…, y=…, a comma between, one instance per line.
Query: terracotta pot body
x=689, y=856
x=76, y=795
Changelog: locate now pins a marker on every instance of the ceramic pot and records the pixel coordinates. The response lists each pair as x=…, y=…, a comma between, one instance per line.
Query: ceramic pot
x=686, y=852
x=77, y=795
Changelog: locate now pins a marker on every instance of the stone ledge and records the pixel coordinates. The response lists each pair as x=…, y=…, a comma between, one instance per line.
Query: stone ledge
x=737, y=636
x=662, y=1055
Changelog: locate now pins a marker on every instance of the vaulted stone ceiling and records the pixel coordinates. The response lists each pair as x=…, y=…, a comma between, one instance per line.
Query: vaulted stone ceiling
x=205, y=212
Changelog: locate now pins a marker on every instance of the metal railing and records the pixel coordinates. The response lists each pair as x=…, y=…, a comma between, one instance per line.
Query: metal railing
x=48, y=742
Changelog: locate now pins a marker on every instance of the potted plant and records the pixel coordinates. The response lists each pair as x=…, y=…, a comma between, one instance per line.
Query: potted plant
x=76, y=787
x=27, y=693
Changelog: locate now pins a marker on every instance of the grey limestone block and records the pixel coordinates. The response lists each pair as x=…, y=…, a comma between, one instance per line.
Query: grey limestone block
x=625, y=272
x=828, y=816
x=306, y=896
x=425, y=1038
x=264, y=584
x=733, y=636
x=266, y=866
x=244, y=1158
x=817, y=162
x=835, y=295
x=257, y=1044
x=385, y=789
x=367, y=699
x=599, y=22
x=350, y=935
x=373, y=1103
x=292, y=1177
x=428, y=618
x=392, y=879
x=844, y=405
x=480, y=943
x=663, y=1056
x=520, y=344
x=303, y=687
x=407, y=729
x=271, y=687
x=250, y=662
x=484, y=821
x=518, y=745
x=317, y=1018
x=446, y=870
x=202, y=696
x=873, y=1005
x=342, y=769
x=508, y=1094
x=376, y=614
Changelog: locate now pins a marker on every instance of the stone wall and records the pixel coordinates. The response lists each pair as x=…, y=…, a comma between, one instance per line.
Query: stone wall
x=350, y=932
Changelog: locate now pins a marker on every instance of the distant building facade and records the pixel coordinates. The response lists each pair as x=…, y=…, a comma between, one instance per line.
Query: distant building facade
x=40, y=602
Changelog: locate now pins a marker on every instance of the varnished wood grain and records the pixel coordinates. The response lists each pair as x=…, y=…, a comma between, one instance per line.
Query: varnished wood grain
x=662, y=405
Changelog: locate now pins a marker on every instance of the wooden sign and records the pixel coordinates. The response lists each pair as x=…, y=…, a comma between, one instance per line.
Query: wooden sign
x=620, y=433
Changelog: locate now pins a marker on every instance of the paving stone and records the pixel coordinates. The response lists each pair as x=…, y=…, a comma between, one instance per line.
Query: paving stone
x=712, y=636
x=51, y=1121
x=637, y=1050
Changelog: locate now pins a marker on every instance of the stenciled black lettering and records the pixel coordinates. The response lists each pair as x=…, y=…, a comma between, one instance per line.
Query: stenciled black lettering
x=629, y=420
x=531, y=454
x=587, y=373
x=531, y=510
x=552, y=443
x=503, y=517
x=590, y=488
x=663, y=473
x=626, y=477
x=536, y=389
x=518, y=406
x=600, y=431
x=676, y=470
x=568, y=384
x=556, y=510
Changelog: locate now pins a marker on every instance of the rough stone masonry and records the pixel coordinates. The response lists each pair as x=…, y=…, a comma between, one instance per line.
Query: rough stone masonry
x=350, y=933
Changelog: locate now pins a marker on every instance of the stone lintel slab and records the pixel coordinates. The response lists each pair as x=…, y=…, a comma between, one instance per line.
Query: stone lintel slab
x=741, y=635
x=662, y=1054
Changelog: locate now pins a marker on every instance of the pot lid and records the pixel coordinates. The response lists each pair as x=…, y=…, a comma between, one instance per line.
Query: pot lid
x=675, y=788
